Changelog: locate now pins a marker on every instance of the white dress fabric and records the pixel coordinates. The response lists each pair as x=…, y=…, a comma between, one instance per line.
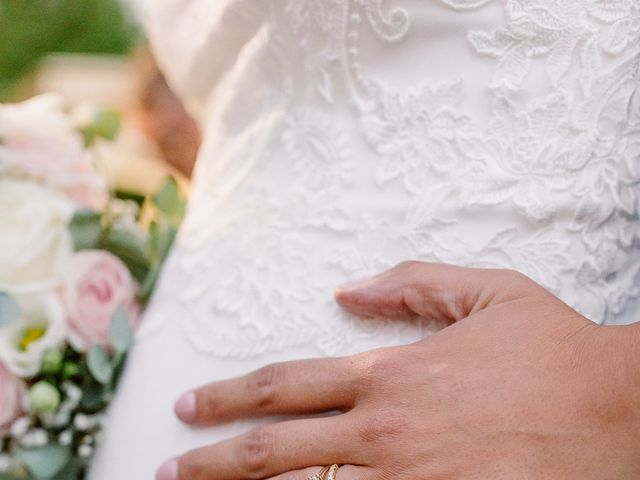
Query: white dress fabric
x=344, y=136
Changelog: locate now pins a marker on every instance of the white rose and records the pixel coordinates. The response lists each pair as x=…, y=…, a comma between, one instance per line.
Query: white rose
x=41, y=327
x=35, y=240
x=38, y=140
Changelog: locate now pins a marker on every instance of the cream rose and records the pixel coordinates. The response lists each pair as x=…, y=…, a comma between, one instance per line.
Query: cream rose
x=35, y=241
x=11, y=395
x=96, y=283
x=38, y=140
x=41, y=327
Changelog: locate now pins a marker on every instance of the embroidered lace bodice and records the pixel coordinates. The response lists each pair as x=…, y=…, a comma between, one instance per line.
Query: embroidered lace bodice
x=344, y=136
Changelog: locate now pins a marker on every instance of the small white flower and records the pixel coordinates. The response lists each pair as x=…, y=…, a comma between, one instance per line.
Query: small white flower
x=85, y=451
x=86, y=423
x=20, y=427
x=72, y=392
x=73, y=395
x=124, y=214
x=41, y=327
x=56, y=420
x=82, y=422
x=34, y=438
x=65, y=438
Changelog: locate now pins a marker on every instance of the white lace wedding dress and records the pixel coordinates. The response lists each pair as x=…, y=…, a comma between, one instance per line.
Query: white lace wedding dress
x=344, y=136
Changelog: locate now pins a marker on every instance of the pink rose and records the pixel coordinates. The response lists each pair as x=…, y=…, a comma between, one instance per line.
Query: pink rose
x=69, y=172
x=95, y=284
x=38, y=140
x=11, y=394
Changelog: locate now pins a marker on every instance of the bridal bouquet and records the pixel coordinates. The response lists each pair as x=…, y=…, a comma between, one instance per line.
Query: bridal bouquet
x=77, y=263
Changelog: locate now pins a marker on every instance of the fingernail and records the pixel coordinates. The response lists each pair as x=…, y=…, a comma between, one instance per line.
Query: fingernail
x=353, y=285
x=186, y=407
x=168, y=471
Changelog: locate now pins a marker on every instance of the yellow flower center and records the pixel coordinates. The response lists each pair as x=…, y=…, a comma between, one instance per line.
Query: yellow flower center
x=31, y=334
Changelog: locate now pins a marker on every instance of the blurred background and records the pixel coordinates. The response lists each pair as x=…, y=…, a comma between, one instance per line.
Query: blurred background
x=93, y=53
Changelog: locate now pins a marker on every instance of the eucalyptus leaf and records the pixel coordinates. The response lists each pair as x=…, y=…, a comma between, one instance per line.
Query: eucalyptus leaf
x=99, y=365
x=10, y=311
x=45, y=462
x=120, y=332
x=85, y=229
x=170, y=202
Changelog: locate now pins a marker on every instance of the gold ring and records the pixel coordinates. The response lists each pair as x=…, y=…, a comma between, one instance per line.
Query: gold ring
x=332, y=472
x=327, y=473
x=320, y=475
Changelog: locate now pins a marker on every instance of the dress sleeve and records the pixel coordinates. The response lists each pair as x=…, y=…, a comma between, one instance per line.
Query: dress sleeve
x=197, y=41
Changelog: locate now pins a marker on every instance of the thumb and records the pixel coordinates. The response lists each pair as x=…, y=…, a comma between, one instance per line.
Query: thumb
x=433, y=291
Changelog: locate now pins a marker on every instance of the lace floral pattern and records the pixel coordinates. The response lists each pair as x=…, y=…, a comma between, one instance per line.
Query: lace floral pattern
x=356, y=172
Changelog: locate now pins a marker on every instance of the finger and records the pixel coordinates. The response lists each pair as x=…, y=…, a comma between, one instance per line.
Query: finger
x=433, y=291
x=271, y=450
x=346, y=472
x=300, y=387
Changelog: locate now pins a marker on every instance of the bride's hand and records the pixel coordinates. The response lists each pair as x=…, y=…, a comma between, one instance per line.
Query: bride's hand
x=520, y=386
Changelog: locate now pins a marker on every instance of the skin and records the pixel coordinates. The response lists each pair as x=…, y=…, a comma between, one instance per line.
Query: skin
x=519, y=386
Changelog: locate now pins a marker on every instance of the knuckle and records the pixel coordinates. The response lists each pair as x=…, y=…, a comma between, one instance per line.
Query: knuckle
x=255, y=451
x=383, y=426
x=514, y=278
x=379, y=368
x=262, y=385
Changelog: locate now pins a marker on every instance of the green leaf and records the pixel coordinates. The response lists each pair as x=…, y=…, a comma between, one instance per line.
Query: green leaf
x=105, y=124
x=99, y=365
x=120, y=332
x=162, y=238
x=70, y=472
x=132, y=196
x=45, y=462
x=52, y=362
x=70, y=370
x=85, y=229
x=95, y=396
x=131, y=248
x=17, y=473
x=10, y=311
x=147, y=286
x=170, y=202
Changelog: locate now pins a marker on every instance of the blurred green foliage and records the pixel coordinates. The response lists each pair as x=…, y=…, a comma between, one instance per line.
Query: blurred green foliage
x=30, y=29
